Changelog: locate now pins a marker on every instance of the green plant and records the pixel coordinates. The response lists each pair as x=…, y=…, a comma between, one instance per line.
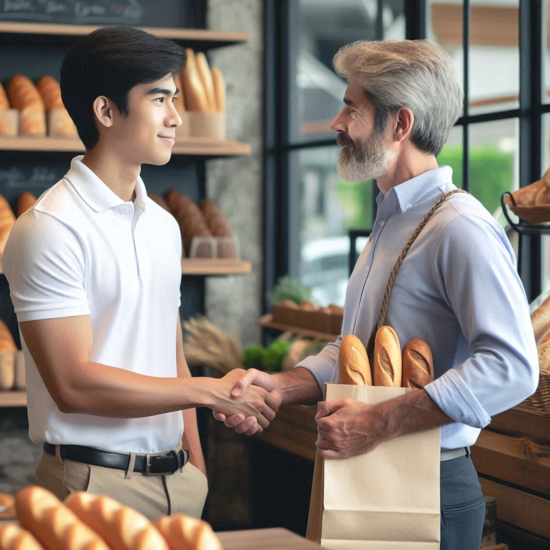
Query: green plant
x=274, y=355
x=253, y=357
x=288, y=288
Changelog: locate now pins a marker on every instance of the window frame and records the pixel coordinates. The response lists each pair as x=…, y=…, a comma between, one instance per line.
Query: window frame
x=282, y=198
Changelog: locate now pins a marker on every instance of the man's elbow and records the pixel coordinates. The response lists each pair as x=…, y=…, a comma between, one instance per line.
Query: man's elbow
x=527, y=385
x=66, y=400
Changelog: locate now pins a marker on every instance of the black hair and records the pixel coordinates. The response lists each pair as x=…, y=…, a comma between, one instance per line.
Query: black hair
x=110, y=62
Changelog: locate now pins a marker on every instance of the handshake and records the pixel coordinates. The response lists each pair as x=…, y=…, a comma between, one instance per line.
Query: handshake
x=246, y=400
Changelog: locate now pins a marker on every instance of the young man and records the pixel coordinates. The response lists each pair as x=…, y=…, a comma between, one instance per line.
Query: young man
x=94, y=270
x=457, y=288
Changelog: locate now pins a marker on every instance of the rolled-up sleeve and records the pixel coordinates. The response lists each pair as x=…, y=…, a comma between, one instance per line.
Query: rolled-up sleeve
x=474, y=268
x=323, y=364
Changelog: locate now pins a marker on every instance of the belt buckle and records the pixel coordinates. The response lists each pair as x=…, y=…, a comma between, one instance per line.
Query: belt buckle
x=148, y=468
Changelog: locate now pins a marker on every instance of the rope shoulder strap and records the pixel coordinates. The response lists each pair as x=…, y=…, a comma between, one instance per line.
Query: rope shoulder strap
x=393, y=274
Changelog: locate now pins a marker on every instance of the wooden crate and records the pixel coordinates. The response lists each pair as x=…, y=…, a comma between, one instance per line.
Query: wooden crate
x=512, y=458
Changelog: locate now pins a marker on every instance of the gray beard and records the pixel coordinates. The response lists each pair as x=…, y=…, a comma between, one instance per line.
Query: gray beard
x=365, y=161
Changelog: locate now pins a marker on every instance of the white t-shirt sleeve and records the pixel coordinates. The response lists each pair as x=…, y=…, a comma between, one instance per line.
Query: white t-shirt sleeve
x=44, y=262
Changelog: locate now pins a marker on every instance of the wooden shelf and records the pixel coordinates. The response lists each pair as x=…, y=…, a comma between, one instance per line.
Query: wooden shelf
x=182, y=147
x=198, y=37
x=13, y=399
x=200, y=266
x=267, y=322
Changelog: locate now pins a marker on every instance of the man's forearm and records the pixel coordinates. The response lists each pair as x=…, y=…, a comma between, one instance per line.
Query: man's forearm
x=298, y=387
x=102, y=390
x=414, y=412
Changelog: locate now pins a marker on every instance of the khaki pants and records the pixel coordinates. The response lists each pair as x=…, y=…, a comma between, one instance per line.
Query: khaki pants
x=184, y=491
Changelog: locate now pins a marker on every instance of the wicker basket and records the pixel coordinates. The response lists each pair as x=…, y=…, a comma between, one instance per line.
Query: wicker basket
x=531, y=214
x=539, y=402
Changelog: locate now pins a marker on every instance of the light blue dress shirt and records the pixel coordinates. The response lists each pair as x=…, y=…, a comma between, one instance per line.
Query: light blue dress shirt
x=457, y=289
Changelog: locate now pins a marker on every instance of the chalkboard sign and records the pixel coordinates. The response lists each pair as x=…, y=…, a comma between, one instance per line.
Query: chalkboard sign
x=150, y=13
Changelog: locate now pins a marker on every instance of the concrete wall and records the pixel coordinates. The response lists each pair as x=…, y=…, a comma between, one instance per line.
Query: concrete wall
x=234, y=303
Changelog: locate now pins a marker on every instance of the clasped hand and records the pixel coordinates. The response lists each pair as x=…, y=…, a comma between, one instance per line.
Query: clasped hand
x=245, y=404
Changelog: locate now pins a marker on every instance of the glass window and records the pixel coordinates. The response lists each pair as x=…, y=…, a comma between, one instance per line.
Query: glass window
x=494, y=55
x=329, y=207
x=319, y=30
x=494, y=162
x=452, y=153
x=445, y=27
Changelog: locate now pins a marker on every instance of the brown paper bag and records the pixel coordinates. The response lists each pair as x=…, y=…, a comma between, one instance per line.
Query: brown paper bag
x=387, y=499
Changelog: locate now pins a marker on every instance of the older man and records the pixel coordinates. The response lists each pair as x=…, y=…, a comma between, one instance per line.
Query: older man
x=457, y=288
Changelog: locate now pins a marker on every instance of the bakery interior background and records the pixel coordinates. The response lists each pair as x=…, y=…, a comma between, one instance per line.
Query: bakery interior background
x=274, y=177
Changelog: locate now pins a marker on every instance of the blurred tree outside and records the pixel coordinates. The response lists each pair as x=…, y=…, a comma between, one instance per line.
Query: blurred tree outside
x=491, y=172
x=356, y=204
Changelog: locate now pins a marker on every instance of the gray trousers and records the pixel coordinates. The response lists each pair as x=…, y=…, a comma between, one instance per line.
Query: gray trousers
x=462, y=506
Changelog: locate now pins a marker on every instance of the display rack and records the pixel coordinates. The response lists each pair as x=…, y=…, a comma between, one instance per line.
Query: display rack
x=266, y=321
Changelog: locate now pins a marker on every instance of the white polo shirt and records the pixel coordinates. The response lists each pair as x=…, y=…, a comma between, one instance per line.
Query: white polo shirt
x=81, y=250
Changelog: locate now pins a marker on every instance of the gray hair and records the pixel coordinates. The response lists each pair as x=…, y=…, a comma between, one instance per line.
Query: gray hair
x=417, y=74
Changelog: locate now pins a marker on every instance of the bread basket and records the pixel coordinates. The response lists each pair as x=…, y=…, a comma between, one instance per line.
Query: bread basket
x=530, y=214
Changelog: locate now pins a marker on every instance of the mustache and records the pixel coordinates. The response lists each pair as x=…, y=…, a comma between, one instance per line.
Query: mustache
x=343, y=140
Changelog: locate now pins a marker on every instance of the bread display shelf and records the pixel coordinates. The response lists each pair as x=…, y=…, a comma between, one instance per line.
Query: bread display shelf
x=200, y=37
x=203, y=266
x=200, y=147
x=13, y=399
x=267, y=322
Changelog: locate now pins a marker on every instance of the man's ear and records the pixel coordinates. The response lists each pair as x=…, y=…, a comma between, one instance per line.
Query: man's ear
x=103, y=111
x=404, y=121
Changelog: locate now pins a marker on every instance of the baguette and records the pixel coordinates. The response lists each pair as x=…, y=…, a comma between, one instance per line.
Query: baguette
x=6, y=504
x=7, y=344
x=50, y=92
x=122, y=527
x=4, y=102
x=219, y=89
x=25, y=201
x=186, y=533
x=540, y=318
x=418, y=367
x=387, y=358
x=195, y=95
x=7, y=219
x=52, y=523
x=13, y=537
x=353, y=362
x=24, y=95
x=207, y=80
x=544, y=356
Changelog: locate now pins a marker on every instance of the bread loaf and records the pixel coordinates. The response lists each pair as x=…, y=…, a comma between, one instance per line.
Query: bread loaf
x=24, y=95
x=207, y=80
x=7, y=509
x=122, y=527
x=308, y=305
x=526, y=195
x=215, y=219
x=219, y=89
x=52, y=523
x=159, y=200
x=353, y=362
x=25, y=201
x=195, y=96
x=186, y=533
x=179, y=102
x=4, y=102
x=387, y=358
x=540, y=318
x=418, y=368
x=191, y=221
x=542, y=197
x=7, y=344
x=50, y=91
x=13, y=537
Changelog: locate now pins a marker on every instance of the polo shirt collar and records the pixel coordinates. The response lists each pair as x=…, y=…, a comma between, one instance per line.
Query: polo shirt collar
x=93, y=191
x=414, y=190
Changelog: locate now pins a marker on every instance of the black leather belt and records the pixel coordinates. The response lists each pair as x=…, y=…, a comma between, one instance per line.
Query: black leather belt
x=149, y=465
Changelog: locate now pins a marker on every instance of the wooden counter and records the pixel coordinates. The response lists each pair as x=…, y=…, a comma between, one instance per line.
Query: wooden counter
x=265, y=539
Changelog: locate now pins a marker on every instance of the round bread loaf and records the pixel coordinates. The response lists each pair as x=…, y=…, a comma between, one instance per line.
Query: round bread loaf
x=353, y=362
